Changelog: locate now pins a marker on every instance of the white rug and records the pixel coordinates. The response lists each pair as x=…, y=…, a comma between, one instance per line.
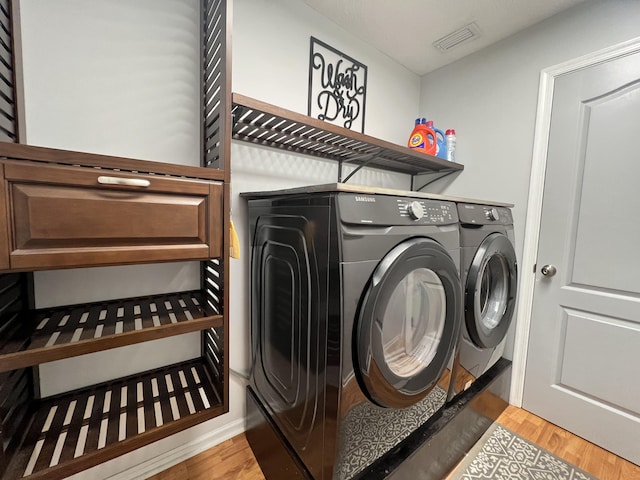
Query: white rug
x=502, y=455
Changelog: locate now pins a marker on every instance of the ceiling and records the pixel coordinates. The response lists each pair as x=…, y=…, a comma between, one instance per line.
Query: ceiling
x=405, y=30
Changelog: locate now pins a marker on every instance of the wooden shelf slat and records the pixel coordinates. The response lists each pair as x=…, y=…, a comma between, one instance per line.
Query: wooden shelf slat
x=107, y=162
x=71, y=432
x=62, y=332
x=267, y=125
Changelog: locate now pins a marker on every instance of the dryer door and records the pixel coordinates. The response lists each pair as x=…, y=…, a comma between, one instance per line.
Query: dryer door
x=409, y=320
x=490, y=291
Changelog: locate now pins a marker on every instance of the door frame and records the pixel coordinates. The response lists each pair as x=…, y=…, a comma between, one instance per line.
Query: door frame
x=534, y=204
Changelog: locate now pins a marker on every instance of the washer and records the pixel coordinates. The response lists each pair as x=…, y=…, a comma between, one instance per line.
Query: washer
x=489, y=278
x=356, y=312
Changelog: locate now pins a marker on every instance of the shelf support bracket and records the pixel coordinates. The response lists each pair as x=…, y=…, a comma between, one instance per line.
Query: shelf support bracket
x=236, y=114
x=439, y=175
x=366, y=160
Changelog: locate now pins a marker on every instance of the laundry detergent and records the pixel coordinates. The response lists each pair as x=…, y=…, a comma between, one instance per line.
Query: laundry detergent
x=423, y=138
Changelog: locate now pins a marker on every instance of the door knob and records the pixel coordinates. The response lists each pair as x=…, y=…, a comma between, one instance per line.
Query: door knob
x=548, y=270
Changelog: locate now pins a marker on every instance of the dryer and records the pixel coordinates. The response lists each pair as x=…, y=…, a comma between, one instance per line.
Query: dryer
x=489, y=278
x=356, y=312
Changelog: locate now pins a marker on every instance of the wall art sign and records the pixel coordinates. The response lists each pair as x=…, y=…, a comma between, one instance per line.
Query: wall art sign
x=337, y=87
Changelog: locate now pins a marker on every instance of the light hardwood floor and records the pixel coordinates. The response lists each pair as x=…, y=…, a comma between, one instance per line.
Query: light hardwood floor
x=234, y=459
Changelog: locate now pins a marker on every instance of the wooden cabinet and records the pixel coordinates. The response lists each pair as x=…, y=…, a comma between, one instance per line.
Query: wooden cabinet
x=59, y=210
x=66, y=209
x=69, y=216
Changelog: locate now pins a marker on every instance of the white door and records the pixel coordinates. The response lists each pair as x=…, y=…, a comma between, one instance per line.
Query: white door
x=583, y=364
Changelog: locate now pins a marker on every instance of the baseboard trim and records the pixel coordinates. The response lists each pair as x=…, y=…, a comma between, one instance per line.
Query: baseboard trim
x=173, y=457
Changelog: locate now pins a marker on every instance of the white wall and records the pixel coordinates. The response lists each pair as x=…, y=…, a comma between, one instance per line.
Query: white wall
x=271, y=63
x=121, y=78
x=490, y=98
x=113, y=77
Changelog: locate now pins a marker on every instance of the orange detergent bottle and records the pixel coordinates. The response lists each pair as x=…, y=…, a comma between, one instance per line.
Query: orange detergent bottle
x=423, y=138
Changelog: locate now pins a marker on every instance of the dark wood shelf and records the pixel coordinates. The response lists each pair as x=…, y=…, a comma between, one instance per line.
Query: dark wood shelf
x=52, y=334
x=67, y=157
x=267, y=125
x=74, y=431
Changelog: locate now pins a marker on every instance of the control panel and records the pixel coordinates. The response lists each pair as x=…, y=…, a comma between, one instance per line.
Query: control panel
x=434, y=212
x=392, y=210
x=484, y=214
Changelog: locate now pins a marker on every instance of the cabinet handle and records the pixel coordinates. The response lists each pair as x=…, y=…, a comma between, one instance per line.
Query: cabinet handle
x=131, y=182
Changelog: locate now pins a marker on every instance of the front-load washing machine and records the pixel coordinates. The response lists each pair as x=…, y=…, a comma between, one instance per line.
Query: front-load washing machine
x=489, y=278
x=356, y=311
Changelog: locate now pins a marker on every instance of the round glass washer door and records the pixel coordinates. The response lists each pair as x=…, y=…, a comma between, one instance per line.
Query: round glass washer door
x=408, y=323
x=490, y=291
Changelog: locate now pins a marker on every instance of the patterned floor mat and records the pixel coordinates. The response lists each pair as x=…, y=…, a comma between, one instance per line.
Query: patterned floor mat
x=502, y=455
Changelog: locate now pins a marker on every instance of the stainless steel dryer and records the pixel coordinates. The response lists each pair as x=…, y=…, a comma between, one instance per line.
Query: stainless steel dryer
x=356, y=311
x=489, y=283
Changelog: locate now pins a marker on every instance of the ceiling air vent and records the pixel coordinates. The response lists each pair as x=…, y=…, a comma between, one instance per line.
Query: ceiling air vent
x=462, y=35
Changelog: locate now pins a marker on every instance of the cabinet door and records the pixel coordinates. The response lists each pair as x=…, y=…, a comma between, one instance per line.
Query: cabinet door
x=73, y=216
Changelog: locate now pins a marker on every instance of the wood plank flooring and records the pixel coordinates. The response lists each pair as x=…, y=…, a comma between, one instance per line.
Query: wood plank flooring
x=229, y=460
x=234, y=459
x=587, y=456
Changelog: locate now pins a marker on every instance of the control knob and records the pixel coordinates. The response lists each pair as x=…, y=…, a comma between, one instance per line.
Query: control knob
x=492, y=214
x=415, y=210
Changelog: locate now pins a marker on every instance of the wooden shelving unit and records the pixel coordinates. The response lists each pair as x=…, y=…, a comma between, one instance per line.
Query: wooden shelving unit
x=54, y=156
x=74, y=431
x=263, y=124
x=53, y=334
x=181, y=213
x=55, y=437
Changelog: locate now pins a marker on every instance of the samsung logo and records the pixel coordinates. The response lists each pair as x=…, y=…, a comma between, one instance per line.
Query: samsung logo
x=365, y=199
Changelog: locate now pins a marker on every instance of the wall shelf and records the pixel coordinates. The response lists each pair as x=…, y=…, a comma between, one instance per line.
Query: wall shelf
x=48, y=155
x=52, y=334
x=267, y=125
x=68, y=433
